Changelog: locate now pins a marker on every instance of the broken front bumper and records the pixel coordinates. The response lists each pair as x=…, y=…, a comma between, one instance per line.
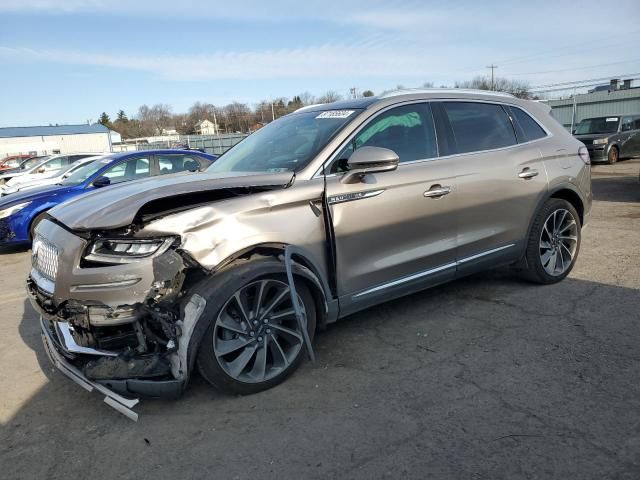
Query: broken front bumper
x=113, y=399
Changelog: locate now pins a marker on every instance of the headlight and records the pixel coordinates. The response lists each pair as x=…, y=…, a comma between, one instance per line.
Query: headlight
x=7, y=212
x=601, y=141
x=126, y=250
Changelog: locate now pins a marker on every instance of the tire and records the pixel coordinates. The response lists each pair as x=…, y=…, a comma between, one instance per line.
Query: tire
x=273, y=352
x=552, y=252
x=34, y=224
x=613, y=156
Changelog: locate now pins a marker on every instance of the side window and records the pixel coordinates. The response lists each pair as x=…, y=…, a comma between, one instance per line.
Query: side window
x=479, y=126
x=407, y=130
x=627, y=124
x=636, y=123
x=530, y=128
x=177, y=163
x=131, y=169
x=54, y=164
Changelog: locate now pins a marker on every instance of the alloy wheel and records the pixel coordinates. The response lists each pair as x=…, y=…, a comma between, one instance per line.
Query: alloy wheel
x=256, y=335
x=558, y=242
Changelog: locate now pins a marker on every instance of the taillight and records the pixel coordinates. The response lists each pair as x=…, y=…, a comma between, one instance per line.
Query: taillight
x=583, y=153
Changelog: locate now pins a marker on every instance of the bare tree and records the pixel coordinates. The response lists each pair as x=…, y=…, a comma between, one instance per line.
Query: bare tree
x=500, y=84
x=330, y=97
x=307, y=99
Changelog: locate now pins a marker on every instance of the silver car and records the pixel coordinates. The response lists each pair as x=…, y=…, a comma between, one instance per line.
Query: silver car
x=318, y=215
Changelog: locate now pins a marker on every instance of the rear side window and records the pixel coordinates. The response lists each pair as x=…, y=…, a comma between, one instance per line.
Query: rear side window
x=177, y=163
x=530, y=128
x=627, y=124
x=479, y=126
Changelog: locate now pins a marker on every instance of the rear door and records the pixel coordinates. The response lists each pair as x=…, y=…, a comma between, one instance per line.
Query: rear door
x=630, y=136
x=391, y=237
x=500, y=181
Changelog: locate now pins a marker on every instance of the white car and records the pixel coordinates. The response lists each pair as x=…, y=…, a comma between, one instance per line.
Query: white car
x=56, y=177
x=49, y=167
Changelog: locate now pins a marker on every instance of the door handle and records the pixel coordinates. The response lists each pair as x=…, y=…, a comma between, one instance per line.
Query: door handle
x=437, y=191
x=527, y=173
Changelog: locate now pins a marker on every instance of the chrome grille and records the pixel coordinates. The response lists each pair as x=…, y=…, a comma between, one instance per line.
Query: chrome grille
x=45, y=258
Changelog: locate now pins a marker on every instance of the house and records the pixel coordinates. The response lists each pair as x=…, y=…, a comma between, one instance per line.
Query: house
x=206, y=127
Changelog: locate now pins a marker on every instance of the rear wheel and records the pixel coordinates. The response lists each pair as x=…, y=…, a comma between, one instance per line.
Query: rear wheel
x=254, y=341
x=554, y=242
x=613, y=155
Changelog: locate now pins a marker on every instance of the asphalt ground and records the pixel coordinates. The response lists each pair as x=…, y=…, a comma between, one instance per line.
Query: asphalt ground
x=488, y=377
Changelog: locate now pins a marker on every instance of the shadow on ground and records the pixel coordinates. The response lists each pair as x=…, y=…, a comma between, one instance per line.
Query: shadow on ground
x=487, y=377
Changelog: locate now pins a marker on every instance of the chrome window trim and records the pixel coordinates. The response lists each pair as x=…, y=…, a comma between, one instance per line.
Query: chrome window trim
x=431, y=271
x=318, y=173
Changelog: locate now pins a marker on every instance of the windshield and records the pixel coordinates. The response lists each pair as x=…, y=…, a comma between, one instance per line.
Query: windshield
x=83, y=174
x=598, y=125
x=288, y=144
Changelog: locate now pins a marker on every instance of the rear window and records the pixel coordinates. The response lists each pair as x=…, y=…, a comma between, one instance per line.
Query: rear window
x=479, y=126
x=530, y=128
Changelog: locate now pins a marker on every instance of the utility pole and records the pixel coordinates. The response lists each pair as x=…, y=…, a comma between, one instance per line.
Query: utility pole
x=492, y=67
x=273, y=115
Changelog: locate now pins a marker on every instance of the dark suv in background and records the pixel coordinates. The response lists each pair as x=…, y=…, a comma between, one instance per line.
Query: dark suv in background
x=610, y=138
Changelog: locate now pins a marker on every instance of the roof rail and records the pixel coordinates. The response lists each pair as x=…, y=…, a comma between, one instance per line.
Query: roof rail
x=409, y=91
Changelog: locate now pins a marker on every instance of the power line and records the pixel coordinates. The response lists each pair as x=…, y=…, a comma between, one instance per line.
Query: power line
x=576, y=68
x=570, y=84
x=570, y=46
x=573, y=87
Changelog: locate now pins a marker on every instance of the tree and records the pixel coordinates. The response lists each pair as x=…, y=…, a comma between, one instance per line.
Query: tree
x=122, y=117
x=368, y=93
x=330, y=97
x=500, y=84
x=104, y=119
x=307, y=99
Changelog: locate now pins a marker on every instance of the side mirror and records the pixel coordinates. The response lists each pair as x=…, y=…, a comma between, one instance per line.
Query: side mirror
x=101, y=182
x=573, y=132
x=367, y=160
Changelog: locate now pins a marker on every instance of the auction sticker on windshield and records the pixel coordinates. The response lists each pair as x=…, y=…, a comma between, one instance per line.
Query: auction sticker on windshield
x=612, y=119
x=336, y=114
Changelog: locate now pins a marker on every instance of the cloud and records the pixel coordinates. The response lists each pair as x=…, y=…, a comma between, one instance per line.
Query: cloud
x=325, y=61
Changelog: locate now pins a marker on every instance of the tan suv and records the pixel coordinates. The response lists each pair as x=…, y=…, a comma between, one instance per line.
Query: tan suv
x=320, y=214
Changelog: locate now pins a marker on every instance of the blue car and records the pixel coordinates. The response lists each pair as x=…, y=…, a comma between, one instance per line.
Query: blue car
x=21, y=212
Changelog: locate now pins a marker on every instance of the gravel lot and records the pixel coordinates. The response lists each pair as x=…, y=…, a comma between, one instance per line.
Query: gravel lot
x=487, y=377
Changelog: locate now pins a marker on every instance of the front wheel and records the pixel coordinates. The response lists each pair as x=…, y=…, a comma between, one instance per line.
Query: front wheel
x=254, y=342
x=554, y=242
x=613, y=155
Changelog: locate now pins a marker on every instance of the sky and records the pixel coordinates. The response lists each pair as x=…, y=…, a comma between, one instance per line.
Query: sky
x=66, y=61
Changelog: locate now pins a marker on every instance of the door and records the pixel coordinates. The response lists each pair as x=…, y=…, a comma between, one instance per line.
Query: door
x=500, y=181
x=393, y=231
x=630, y=136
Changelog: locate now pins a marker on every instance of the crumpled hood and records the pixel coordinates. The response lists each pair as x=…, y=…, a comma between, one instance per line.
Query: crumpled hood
x=116, y=206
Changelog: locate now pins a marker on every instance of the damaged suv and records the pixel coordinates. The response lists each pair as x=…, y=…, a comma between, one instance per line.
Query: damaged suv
x=322, y=213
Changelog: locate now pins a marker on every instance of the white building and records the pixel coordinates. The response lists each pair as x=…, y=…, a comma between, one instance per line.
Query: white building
x=56, y=139
x=206, y=127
